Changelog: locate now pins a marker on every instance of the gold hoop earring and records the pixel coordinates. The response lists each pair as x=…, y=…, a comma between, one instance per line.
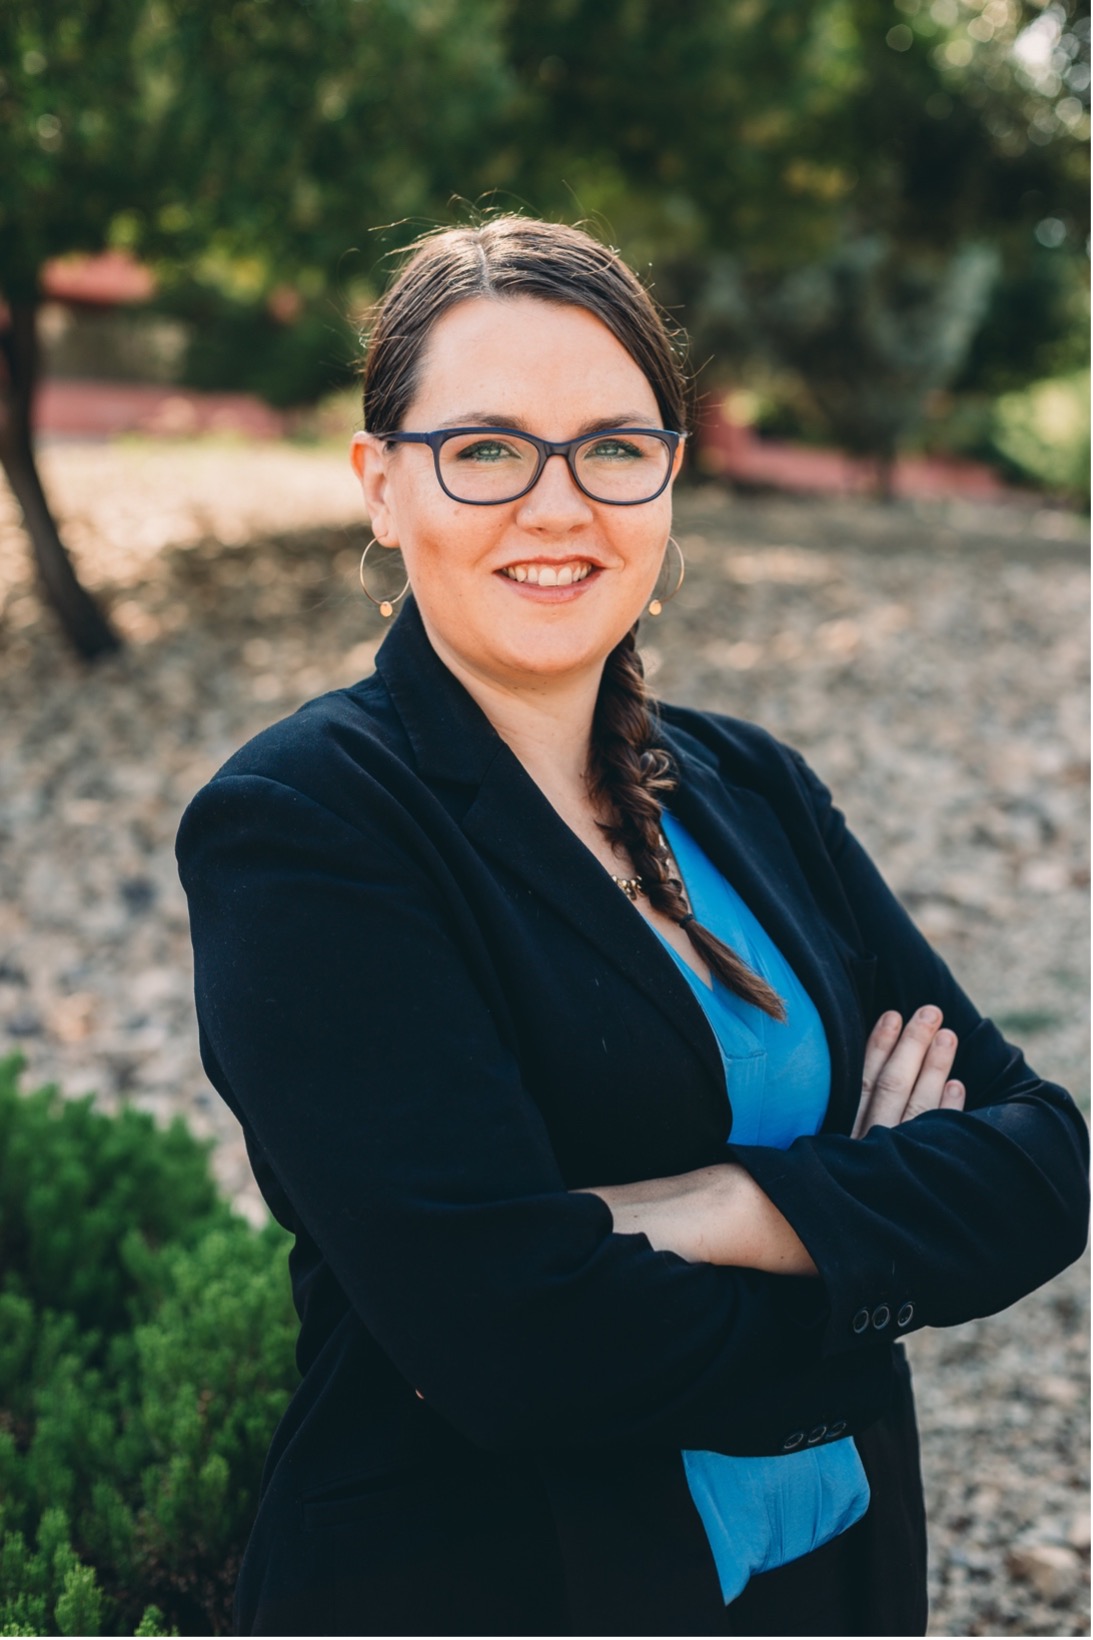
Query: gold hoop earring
x=386, y=606
x=656, y=604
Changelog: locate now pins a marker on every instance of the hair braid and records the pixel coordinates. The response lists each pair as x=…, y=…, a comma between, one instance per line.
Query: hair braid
x=628, y=773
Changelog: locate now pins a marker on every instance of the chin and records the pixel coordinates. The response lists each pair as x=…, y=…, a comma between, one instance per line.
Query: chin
x=553, y=659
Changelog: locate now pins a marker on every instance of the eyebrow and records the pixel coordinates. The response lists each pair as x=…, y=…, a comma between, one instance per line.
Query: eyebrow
x=487, y=418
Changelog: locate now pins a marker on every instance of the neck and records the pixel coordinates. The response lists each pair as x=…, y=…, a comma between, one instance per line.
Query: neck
x=547, y=724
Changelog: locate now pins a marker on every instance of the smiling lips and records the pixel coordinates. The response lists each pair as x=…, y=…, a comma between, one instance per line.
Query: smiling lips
x=550, y=575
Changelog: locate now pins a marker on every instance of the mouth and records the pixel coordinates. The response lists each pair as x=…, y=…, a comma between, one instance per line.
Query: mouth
x=550, y=575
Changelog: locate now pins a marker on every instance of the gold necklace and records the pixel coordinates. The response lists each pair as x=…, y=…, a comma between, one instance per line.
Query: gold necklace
x=631, y=886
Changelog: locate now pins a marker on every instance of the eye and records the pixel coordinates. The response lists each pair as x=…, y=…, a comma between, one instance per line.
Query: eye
x=486, y=451
x=613, y=448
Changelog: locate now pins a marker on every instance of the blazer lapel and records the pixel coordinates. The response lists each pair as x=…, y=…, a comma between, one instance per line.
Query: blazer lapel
x=509, y=819
x=512, y=821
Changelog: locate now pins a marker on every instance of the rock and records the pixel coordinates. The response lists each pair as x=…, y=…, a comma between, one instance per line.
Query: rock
x=1078, y=1535
x=1052, y=1569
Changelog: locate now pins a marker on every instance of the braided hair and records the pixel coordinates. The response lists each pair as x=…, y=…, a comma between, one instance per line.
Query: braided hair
x=628, y=776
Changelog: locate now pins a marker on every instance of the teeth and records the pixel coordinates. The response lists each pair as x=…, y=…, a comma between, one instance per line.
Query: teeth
x=549, y=575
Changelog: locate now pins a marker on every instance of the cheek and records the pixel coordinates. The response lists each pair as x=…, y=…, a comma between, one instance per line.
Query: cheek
x=422, y=517
x=442, y=548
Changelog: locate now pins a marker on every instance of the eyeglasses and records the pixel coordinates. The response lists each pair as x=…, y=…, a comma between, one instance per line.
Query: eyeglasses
x=485, y=466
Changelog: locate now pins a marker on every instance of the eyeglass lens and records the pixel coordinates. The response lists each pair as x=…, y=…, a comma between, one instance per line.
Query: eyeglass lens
x=498, y=467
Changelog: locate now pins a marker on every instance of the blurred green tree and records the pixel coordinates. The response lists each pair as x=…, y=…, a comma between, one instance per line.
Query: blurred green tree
x=967, y=130
x=840, y=184
x=265, y=138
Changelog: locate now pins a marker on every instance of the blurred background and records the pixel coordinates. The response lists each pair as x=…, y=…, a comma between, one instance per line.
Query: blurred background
x=871, y=217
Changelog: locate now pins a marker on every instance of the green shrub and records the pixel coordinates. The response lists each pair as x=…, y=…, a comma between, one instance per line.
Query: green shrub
x=146, y=1352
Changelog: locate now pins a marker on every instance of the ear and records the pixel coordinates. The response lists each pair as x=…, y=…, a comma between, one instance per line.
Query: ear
x=369, y=457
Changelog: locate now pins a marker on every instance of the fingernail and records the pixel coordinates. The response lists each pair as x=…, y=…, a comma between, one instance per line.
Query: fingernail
x=929, y=1016
x=889, y=1022
x=944, y=1039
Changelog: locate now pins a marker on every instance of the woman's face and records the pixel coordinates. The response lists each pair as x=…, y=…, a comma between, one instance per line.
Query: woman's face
x=557, y=372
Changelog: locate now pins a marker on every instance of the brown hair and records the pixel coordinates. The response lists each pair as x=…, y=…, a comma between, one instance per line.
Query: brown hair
x=513, y=256
x=517, y=256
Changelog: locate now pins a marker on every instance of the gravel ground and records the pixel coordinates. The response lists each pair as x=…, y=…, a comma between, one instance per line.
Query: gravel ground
x=932, y=664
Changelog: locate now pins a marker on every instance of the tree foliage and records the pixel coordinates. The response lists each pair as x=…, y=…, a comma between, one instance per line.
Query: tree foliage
x=279, y=133
x=842, y=186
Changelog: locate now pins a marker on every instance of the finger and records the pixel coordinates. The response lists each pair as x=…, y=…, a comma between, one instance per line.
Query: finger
x=953, y=1095
x=882, y=1039
x=931, y=1081
x=898, y=1075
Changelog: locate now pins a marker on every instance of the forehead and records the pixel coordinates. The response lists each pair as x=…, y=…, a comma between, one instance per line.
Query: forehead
x=521, y=357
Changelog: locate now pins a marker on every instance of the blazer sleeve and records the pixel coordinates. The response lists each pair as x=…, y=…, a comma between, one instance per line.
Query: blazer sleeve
x=341, y=1018
x=950, y=1215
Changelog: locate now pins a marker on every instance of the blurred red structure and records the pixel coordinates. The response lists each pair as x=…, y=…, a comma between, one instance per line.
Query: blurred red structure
x=102, y=410
x=108, y=280
x=737, y=453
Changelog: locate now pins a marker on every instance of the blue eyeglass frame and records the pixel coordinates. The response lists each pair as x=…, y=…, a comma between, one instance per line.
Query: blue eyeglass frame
x=545, y=450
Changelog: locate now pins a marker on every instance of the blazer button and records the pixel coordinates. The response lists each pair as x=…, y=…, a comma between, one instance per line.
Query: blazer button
x=836, y=1429
x=792, y=1442
x=816, y=1435
x=882, y=1315
x=906, y=1315
x=860, y=1321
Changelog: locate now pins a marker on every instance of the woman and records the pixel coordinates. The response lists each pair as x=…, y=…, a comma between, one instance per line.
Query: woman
x=623, y=1119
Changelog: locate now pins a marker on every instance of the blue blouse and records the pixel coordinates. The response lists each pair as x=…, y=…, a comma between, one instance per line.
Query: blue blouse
x=762, y=1512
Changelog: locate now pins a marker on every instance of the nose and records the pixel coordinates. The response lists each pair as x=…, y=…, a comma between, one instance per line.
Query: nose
x=554, y=501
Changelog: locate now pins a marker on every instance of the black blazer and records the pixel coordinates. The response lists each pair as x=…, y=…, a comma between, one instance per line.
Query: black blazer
x=435, y=1015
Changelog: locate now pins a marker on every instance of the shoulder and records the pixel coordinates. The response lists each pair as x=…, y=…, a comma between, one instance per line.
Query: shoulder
x=318, y=746
x=745, y=754
x=330, y=749
x=342, y=760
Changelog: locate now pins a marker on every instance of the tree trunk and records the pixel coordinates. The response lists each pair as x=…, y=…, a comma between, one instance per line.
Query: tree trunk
x=84, y=624
x=885, y=469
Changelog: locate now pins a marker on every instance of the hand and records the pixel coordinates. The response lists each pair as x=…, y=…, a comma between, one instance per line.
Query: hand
x=906, y=1071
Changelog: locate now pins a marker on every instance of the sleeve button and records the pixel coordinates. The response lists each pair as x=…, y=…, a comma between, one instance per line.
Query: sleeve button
x=860, y=1321
x=906, y=1315
x=882, y=1315
x=836, y=1429
x=792, y=1442
x=815, y=1436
